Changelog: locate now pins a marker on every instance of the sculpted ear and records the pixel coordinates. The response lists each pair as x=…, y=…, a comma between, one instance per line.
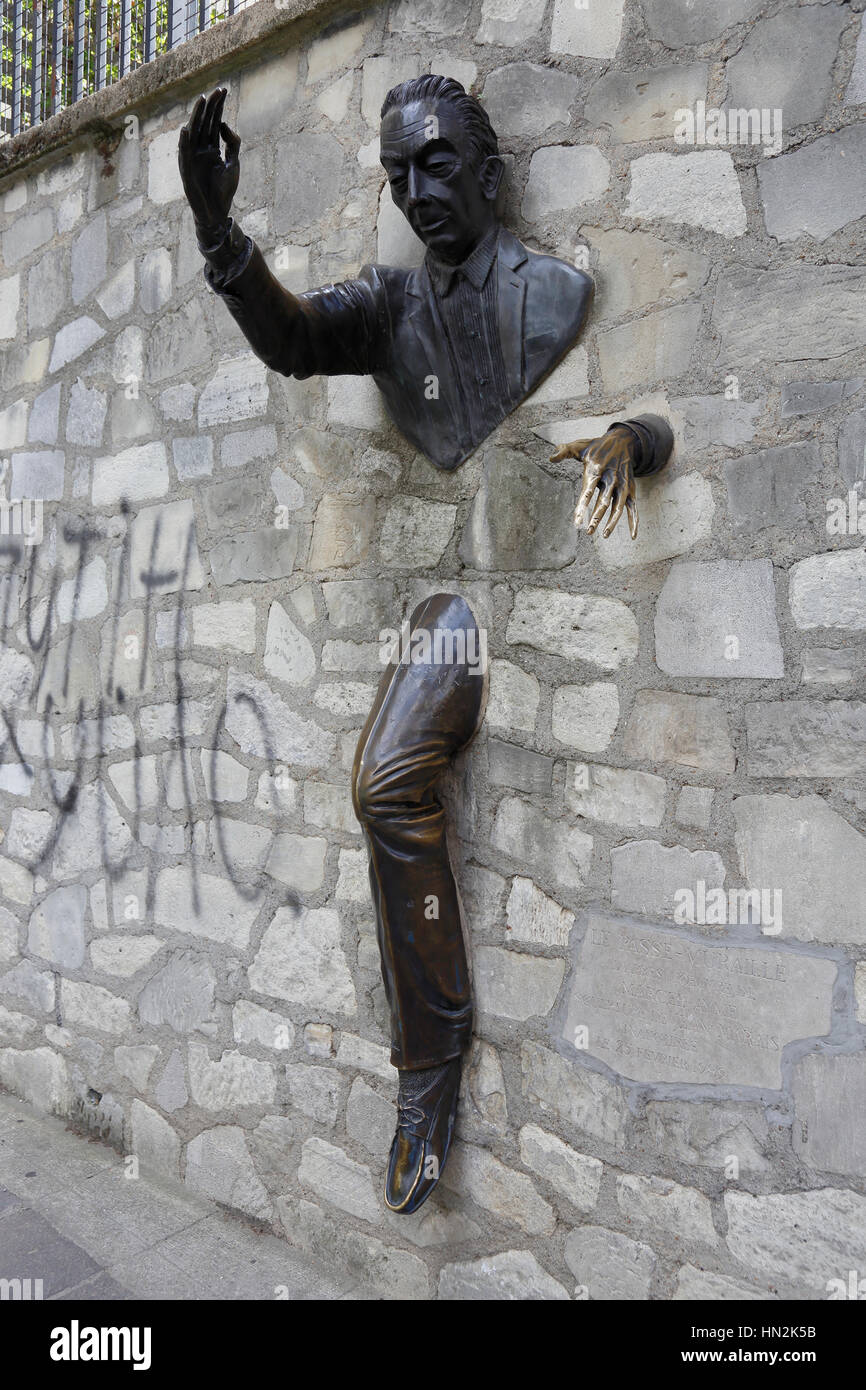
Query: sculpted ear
x=490, y=176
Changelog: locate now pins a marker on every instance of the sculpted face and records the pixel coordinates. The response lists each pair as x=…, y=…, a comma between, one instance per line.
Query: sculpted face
x=427, y=157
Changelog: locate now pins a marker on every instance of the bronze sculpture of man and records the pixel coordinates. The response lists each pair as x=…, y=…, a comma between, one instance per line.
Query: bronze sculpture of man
x=483, y=320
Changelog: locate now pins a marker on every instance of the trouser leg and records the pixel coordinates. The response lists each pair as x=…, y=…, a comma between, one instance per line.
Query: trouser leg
x=423, y=714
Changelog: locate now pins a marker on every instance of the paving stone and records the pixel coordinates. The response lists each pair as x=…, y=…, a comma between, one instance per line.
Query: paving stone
x=38, y=474
x=27, y=234
x=699, y=189
x=72, y=340
x=91, y=1006
x=799, y=844
x=513, y=985
x=179, y=342
x=610, y=1266
x=579, y=627
x=56, y=931
x=199, y=905
x=88, y=257
x=562, y=177
x=136, y=1063
x=576, y=1176
x=712, y=1014
x=534, y=918
x=513, y=698
x=415, y=532
x=332, y=1175
x=829, y=591
x=702, y=1285
x=709, y=420
x=509, y=765
x=679, y=22
x=773, y=487
x=585, y=716
x=786, y=61
x=806, y=738
x=229, y=1083
x=814, y=397
x=47, y=289
x=526, y=99
x=308, y=179
x=521, y=518
x=117, y=295
x=370, y=1118
x=298, y=861
x=615, y=795
x=667, y=726
x=545, y=847
x=264, y=726
x=513, y=1275
x=718, y=618
x=394, y=1273
x=636, y=269
x=124, y=955
x=170, y=1092
x=672, y=1210
x=641, y=104
x=10, y=299
x=509, y=23
x=154, y=1143
x=813, y=312
x=832, y=169
x=509, y=1196
x=828, y=1093
x=300, y=959
x=584, y=1100
x=38, y=1076
x=657, y=348
x=180, y=995
x=85, y=415
x=647, y=877
x=218, y=1165
x=342, y=533
x=693, y=807
x=316, y=1091
x=804, y=1238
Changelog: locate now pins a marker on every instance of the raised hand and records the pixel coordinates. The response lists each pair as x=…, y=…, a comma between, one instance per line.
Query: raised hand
x=608, y=472
x=209, y=181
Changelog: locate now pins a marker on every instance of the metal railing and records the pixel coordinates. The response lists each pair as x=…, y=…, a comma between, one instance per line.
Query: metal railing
x=54, y=52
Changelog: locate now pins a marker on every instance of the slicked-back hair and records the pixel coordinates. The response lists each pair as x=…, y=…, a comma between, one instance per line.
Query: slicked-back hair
x=474, y=119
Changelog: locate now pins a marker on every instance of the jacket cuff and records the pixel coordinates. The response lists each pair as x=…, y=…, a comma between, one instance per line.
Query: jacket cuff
x=656, y=439
x=227, y=256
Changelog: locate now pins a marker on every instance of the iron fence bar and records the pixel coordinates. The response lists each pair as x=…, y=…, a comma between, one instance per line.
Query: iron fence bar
x=17, y=36
x=149, y=29
x=36, y=62
x=58, y=73
x=101, y=44
x=77, y=49
x=125, y=38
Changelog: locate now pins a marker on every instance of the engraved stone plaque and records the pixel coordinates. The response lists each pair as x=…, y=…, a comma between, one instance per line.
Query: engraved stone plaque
x=660, y=1006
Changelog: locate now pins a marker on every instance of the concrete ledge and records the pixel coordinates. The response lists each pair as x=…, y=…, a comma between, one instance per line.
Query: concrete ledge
x=95, y=118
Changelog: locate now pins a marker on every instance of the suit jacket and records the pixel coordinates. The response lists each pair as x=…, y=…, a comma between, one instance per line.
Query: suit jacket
x=385, y=323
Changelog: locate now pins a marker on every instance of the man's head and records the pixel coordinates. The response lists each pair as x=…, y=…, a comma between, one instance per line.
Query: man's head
x=441, y=156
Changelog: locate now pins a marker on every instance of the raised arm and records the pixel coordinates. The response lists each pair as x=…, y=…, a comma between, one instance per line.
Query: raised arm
x=337, y=330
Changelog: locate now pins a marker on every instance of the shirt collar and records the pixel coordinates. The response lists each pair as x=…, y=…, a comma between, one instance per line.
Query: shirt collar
x=475, y=268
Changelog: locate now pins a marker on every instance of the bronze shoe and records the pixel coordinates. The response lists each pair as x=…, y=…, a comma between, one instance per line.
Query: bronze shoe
x=426, y=1107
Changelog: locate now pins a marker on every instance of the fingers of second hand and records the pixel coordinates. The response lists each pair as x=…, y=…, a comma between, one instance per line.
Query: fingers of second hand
x=631, y=510
x=601, y=506
x=616, y=512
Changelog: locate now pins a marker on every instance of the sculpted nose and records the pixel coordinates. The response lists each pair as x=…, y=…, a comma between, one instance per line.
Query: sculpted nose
x=414, y=190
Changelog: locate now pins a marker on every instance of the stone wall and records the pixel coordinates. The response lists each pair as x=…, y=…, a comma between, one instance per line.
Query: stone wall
x=667, y=1092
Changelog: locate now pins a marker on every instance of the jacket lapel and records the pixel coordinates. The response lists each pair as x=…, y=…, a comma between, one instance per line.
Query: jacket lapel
x=512, y=299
